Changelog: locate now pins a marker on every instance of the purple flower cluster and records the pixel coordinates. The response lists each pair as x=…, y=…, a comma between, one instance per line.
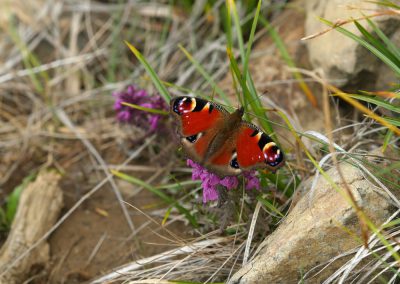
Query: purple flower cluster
x=210, y=181
x=133, y=95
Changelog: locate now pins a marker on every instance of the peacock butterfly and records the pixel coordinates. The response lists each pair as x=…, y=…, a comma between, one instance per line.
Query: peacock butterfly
x=221, y=141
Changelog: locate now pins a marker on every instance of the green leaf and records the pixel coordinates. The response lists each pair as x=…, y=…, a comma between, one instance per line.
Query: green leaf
x=13, y=198
x=159, y=193
x=153, y=75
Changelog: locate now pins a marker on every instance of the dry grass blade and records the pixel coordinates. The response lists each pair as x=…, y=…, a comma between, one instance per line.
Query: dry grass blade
x=127, y=270
x=340, y=23
x=251, y=232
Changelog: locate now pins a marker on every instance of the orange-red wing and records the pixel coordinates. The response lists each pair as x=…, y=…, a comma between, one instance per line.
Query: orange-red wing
x=196, y=115
x=256, y=149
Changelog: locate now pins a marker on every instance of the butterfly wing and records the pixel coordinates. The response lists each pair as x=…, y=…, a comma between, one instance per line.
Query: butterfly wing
x=221, y=141
x=198, y=122
x=255, y=149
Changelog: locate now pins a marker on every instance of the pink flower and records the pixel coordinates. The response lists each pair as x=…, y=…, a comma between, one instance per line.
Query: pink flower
x=210, y=181
x=252, y=182
x=133, y=95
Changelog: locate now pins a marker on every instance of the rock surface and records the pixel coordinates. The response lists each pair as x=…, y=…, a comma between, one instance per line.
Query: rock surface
x=39, y=206
x=344, y=60
x=313, y=232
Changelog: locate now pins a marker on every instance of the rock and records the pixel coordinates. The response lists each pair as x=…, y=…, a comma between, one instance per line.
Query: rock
x=313, y=232
x=38, y=209
x=343, y=60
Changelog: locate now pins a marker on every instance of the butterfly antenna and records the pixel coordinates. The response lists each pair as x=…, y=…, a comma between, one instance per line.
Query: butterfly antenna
x=257, y=97
x=213, y=94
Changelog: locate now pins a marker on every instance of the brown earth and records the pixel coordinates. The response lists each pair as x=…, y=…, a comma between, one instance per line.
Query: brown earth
x=100, y=222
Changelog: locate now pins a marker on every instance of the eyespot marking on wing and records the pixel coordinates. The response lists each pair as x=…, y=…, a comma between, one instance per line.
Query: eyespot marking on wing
x=273, y=155
x=184, y=105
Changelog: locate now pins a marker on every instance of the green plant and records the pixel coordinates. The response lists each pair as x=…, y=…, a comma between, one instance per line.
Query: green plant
x=7, y=213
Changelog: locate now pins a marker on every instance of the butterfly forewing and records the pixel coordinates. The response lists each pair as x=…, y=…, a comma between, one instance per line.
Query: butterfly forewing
x=198, y=122
x=196, y=115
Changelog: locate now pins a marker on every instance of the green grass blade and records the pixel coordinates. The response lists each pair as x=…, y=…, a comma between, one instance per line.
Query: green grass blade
x=254, y=101
x=388, y=137
x=386, y=3
x=392, y=47
x=392, y=120
x=238, y=28
x=269, y=205
x=178, y=185
x=114, y=50
x=28, y=58
x=393, y=223
x=146, y=109
x=153, y=75
x=166, y=216
x=206, y=76
x=376, y=101
x=251, y=39
x=227, y=25
x=159, y=193
x=376, y=43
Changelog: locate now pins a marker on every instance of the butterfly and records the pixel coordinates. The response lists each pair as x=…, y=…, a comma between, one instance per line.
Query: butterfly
x=221, y=141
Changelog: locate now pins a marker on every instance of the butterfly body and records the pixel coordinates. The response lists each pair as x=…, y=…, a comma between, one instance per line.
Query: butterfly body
x=221, y=141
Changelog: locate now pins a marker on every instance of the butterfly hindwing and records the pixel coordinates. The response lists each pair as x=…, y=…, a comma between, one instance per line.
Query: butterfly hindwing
x=255, y=149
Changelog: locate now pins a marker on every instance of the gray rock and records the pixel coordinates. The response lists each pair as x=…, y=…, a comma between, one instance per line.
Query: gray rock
x=342, y=59
x=313, y=232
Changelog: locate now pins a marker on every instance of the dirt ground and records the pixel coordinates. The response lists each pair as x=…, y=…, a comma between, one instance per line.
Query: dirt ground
x=97, y=238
